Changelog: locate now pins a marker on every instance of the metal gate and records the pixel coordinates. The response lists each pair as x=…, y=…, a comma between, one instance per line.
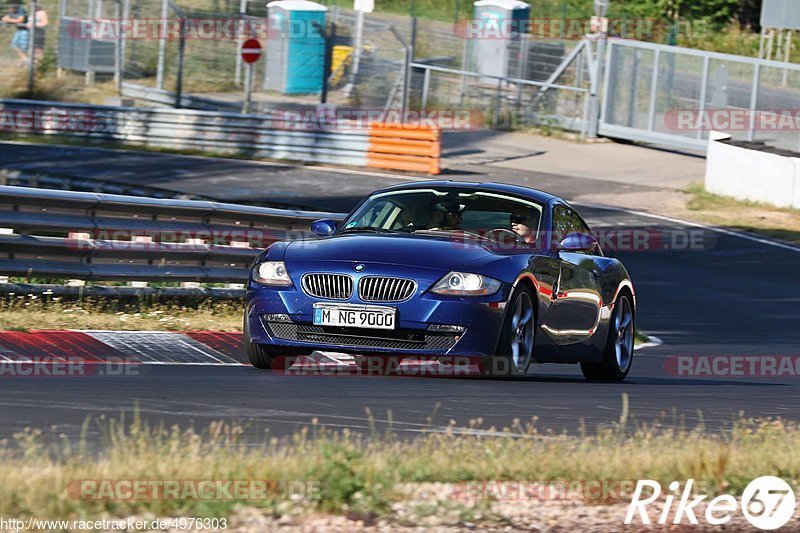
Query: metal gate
x=674, y=96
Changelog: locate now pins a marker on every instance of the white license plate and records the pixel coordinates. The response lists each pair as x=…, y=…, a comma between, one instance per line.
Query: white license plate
x=354, y=316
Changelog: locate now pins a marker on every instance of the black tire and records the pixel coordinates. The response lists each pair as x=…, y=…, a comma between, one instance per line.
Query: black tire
x=612, y=368
x=258, y=356
x=266, y=358
x=505, y=363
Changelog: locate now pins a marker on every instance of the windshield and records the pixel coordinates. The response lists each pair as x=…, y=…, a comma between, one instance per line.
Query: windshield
x=483, y=213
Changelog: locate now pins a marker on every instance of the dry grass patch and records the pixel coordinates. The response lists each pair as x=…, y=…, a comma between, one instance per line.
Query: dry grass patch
x=21, y=313
x=370, y=476
x=774, y=222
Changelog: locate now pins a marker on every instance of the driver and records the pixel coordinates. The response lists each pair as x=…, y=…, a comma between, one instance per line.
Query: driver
x=524, y=224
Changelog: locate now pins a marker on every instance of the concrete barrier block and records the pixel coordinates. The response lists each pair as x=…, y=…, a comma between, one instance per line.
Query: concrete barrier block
x=747, y=174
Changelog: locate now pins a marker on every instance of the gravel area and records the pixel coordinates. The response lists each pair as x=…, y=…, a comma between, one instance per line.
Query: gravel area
x=436, y=507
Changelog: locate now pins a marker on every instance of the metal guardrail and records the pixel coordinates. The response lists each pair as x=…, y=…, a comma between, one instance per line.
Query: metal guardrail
x=50, y=234
x=44, y=291
x=286, y=136
x=256, y=135
x=168, y=98
x=66, y=182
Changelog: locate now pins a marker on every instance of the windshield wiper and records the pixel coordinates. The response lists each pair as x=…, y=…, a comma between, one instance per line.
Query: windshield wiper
x=372, y=229
x=460, y=231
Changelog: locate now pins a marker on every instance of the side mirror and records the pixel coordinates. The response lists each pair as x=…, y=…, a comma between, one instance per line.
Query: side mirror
x=578, y=242
x=324, y=227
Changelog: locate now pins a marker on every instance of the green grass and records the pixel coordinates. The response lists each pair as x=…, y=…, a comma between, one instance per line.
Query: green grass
x=754, y=217
x=356, y=474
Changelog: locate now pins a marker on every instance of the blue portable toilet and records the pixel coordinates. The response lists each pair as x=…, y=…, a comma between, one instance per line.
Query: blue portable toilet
x=296, y=48
x=503, y=22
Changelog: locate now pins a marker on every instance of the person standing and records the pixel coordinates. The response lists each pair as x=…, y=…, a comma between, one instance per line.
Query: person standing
x=19, y=42
x=41, y=22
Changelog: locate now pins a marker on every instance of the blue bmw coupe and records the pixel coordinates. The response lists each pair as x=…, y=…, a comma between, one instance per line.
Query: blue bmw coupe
x=501, y=274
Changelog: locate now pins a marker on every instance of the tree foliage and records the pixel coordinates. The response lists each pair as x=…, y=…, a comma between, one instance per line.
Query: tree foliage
x=717, y=12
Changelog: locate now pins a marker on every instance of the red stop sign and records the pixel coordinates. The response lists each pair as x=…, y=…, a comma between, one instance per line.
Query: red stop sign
x=251, y=51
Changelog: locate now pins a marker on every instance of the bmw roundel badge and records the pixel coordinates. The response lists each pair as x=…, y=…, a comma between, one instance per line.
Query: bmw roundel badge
x=359, y=267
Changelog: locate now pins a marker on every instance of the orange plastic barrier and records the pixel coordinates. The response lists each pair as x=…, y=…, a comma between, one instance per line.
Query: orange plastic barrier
x=412, y=147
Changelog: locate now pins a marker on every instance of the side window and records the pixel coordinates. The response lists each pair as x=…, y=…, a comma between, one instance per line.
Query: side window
x=561, y=223
x=382, y=215
x=577, y=225
x=566, y=221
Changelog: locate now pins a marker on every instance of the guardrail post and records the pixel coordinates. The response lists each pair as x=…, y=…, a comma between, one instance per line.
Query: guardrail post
x=240, y=41
x=181, y=51
x=751, y=130
x=703, y=92
x=523, y=59
x=32, y=49
x=162, y=45
x=496, y=104
x=409, y=56
x=599, y=64
x=462, y=91
x=651, y=110
x=425, y=88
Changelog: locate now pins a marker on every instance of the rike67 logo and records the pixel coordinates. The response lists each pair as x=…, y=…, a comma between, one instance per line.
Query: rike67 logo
x=767, y=503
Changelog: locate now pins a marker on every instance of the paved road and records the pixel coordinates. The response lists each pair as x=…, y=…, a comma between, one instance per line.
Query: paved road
x=274, y=183
x=733, y=297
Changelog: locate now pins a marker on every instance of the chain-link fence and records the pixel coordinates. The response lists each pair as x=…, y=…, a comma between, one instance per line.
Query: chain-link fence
x=160, y=49
x=211, y=66
x=379, y=78
x=521, y=95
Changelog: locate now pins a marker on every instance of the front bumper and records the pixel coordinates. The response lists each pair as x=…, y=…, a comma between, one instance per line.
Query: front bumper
x=481, y=319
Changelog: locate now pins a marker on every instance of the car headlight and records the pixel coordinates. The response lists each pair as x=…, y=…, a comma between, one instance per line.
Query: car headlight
x=271, y=273
x=466, y=284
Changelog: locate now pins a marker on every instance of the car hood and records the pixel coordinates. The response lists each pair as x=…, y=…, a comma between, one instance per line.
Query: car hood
x=430, y=252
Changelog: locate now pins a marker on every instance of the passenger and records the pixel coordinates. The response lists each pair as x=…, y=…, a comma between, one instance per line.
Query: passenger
x=447, y=215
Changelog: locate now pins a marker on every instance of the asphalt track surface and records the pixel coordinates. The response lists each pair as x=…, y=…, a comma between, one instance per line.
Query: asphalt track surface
x=733, y=296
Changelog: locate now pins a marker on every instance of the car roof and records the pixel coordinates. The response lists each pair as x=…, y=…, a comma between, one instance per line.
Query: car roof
x=516, y=190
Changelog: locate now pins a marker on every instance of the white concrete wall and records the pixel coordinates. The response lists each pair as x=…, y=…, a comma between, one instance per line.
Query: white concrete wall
x=796, y=162
x=752, y=175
